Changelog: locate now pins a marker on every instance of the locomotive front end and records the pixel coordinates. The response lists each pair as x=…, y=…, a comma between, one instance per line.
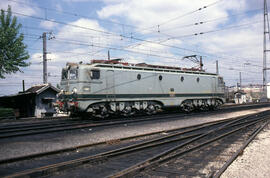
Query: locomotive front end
x=75, y=86
x=67, y=98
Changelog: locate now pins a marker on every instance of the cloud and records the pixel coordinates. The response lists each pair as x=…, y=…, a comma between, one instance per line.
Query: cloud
x=77, y=41
x=231, y=46
x=48, y=24
x=19, y=8
x=155, y=20
x=75, y=1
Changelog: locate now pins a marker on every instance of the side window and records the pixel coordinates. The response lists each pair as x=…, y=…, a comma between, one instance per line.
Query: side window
x=182, y=78
x=95, y=74
x=220, y=81
x=139, y=76
x=73, y=74
x=64, y=74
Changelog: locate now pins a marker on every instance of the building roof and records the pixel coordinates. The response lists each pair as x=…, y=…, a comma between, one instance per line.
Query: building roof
x=40, y=88
x=36, y=89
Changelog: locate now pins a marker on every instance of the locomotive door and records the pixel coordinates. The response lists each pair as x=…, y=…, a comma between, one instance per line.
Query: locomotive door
x=110, y=88
x=213, y=86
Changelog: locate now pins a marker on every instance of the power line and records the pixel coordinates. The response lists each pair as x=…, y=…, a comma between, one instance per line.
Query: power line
x=78, y=43
x=183, y=15
x=118, y=49
x=137, y=39
x=124, y=36
x=210, y=20
x=212, y=31
x=71, y=13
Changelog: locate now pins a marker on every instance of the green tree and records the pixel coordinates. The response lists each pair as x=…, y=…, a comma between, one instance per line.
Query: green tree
x=13, y=54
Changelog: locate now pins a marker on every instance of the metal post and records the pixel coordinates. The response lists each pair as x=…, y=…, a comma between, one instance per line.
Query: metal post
x=217, y=72
x=240, y=80
x=45, y=73
x=109, y=55
x=23, y=86
x=265, y=32
x=201, y=64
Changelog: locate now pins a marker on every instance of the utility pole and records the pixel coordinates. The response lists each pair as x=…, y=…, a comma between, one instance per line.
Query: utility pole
x=217, y=72
x=265, y=32
x=45, y=73
x=240, y=81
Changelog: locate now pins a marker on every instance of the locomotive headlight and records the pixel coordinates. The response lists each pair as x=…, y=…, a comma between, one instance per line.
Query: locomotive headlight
x=74, y=90
x=86, y=89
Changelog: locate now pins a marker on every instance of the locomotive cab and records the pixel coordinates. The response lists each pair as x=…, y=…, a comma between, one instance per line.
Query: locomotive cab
x=69, y=77
x=76, y=80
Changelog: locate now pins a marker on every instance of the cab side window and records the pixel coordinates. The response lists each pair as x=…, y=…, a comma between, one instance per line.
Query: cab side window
x=64, y=74
x=95, y=74
x=73, y=74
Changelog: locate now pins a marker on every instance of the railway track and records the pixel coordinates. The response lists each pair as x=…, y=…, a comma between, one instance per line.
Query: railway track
x=26, y=157
x=147, y=157
x=16, y=130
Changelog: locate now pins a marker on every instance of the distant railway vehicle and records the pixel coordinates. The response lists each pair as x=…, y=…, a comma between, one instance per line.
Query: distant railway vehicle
x=106, y=87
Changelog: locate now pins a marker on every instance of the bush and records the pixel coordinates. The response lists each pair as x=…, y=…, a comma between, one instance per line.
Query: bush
x=6, y=112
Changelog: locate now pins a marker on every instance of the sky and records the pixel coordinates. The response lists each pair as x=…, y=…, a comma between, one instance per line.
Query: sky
x=152, y=31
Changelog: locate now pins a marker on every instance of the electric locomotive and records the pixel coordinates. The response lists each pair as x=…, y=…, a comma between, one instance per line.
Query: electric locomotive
x=106, y=87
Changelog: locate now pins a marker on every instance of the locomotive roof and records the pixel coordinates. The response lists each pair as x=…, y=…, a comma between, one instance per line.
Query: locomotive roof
x=116, y=64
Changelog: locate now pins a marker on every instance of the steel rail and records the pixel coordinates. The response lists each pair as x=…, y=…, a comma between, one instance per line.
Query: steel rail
x=104, y=156
x=25, y=157
x=52, y=125
x=111, y=123
x=101, y=124
x=164, y=156
x=35, y=126
x=191, y=128
x=239, y=151
x=43, y=123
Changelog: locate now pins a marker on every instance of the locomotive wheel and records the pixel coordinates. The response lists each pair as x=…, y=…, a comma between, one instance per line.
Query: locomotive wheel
x=101, y=112
x=187, y=107
x=151, y=109
x=128, y=111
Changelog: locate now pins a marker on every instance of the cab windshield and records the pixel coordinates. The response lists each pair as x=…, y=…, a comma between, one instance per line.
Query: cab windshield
x=71, y=74
x=64, y=74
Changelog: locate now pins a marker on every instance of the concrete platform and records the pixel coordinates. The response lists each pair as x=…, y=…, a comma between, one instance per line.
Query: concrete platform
x=255, y=160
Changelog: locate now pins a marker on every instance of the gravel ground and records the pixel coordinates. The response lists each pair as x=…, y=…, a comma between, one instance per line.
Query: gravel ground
x=255, y=161
x=14, y=147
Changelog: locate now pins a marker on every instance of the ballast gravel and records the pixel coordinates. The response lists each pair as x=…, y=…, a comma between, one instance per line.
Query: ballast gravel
x=20, y=146
x=255, y=160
